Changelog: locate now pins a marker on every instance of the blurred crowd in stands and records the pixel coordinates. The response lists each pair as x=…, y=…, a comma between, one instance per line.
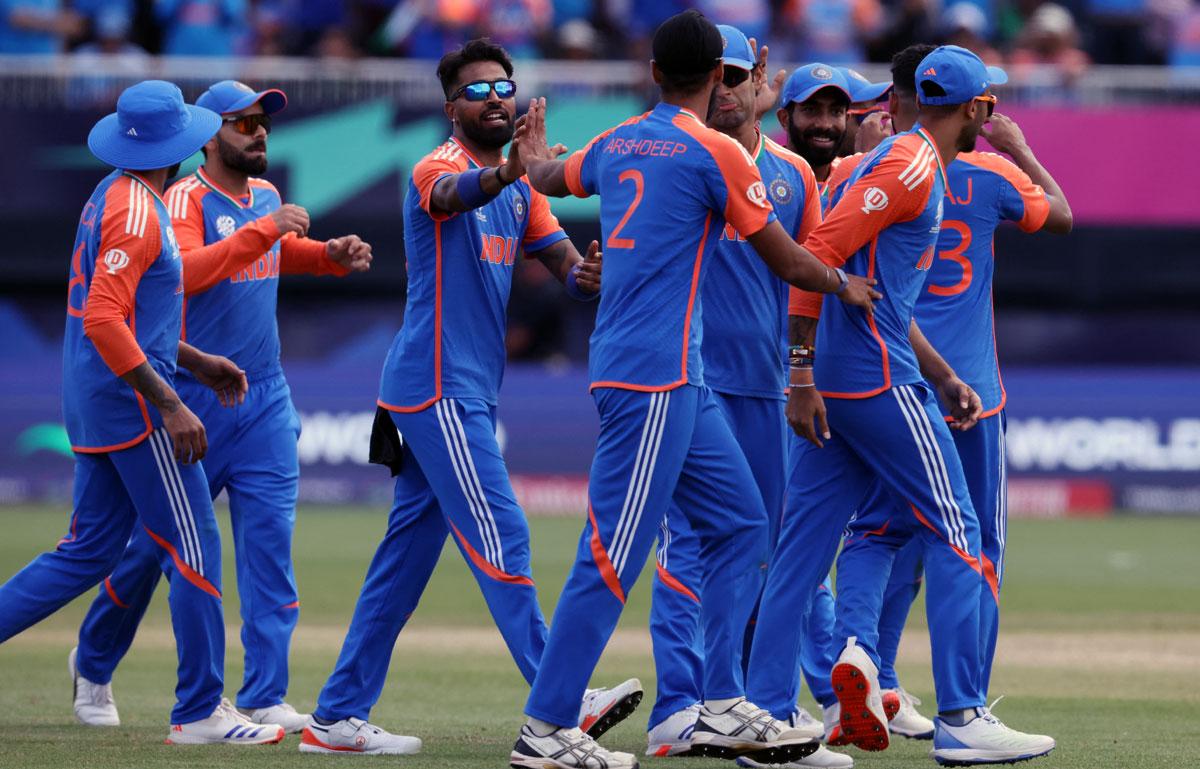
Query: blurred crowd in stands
x=1070, y=34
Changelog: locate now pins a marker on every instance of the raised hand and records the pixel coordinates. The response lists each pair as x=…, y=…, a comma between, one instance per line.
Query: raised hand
x=529, y=140
x=351, y=252
x=765, y=94
x=1003, y=133
x=291, y=218
x=587, y=274
x=874, y=129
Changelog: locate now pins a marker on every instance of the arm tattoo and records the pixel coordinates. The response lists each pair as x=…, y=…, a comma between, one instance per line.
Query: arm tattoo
x=802, y=330
x=557, y=258
x=146, y=381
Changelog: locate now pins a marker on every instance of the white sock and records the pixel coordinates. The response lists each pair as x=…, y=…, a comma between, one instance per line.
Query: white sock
x=720, y=706
x=541, y=728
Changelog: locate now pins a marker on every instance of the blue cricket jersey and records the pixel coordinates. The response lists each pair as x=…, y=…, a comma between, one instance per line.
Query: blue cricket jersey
x=459, y=274
x=745, y=304
x=668, y=184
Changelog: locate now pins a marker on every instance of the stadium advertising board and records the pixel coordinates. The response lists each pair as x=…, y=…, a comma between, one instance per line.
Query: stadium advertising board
x=1080, y=442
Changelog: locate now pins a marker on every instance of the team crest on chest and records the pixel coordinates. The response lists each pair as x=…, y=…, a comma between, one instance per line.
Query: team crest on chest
x=225, y=226
x=519, y=208
x=781, y=191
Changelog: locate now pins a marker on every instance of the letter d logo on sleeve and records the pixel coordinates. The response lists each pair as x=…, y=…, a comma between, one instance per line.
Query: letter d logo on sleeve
x=115, y=260
x=757, y=194
x=874, y=199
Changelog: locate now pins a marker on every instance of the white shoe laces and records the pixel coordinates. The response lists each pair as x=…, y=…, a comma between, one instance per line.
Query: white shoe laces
x=227, y=709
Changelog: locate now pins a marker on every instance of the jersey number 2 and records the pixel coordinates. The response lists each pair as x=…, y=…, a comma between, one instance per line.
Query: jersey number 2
x=638, y=186
x=957, y=255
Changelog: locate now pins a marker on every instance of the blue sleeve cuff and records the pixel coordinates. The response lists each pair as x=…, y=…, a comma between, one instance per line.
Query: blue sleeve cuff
x=544, y=242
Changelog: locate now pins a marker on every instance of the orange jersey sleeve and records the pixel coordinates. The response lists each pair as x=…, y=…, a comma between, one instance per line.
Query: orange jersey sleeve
x=445, y=160
x=581, y=180
x=1021, y=200
x=204, y=266
x=305, y=256
x=747, y=208
x=897, y=189
x=126, y=251
x=543, y=228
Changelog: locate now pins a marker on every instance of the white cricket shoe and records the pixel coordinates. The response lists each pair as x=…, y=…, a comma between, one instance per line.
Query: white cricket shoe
x=855, y=679
x=824, y=758
x=908, y=722
x=831, y=718
x=355, y=736
x=602, y=709
x=985, y=740
x=803, y=721
x=226, y=726
x=744, y=729
x=673, y=737
x=94, y=704
x=567, y=748
x=283, y=714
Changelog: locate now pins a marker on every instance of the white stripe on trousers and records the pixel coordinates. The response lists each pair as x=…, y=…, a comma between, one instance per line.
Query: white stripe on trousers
x=164, y=457
x=1001, y=505
x=901, y=394
x=639, y=484
x=951, y=512
x=464, y=470
x=934, y=462
x=664, y=535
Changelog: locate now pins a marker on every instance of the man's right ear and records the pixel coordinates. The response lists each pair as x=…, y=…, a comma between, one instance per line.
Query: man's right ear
x=448, y=109
x=784, y=117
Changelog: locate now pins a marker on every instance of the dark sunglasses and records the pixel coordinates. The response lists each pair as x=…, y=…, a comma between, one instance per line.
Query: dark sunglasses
x=990, y=101
x=481, y=89
x=735, y=76
x=249, y=124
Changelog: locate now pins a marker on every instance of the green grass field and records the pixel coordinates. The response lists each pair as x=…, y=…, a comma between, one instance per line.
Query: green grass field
x=1100, y=647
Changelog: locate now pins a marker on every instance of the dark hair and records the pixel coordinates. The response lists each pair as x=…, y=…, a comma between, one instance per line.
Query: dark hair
x=479, y=49
x=904, y=67
x=687, y=47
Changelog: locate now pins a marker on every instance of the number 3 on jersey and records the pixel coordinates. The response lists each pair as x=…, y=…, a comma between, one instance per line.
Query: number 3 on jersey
x=956, y=255
x=638, y=187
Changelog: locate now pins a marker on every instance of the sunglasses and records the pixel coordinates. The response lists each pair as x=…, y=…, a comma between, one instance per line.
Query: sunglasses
x=249, y=124
x=860, y=115
x=481, y=89
x=735, y=76
x=990, y=101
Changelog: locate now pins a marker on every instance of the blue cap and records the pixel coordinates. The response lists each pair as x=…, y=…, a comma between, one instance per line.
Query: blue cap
x=736, y=48
x=807, y=80
x=152, y=128
x=960, y=73
x=862, y=89
x=231, y=96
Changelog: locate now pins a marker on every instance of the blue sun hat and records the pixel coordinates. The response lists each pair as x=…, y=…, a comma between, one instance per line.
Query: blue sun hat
x=807, y=80
x=231, y=96
x=152, y=128
x=862, y=89
x=736, y=52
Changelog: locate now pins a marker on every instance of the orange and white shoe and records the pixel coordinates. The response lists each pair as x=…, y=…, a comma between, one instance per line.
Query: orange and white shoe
x=908, y=722
x=862, y=719
x=225, y=726
x=354, y=735
x=602, y=709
